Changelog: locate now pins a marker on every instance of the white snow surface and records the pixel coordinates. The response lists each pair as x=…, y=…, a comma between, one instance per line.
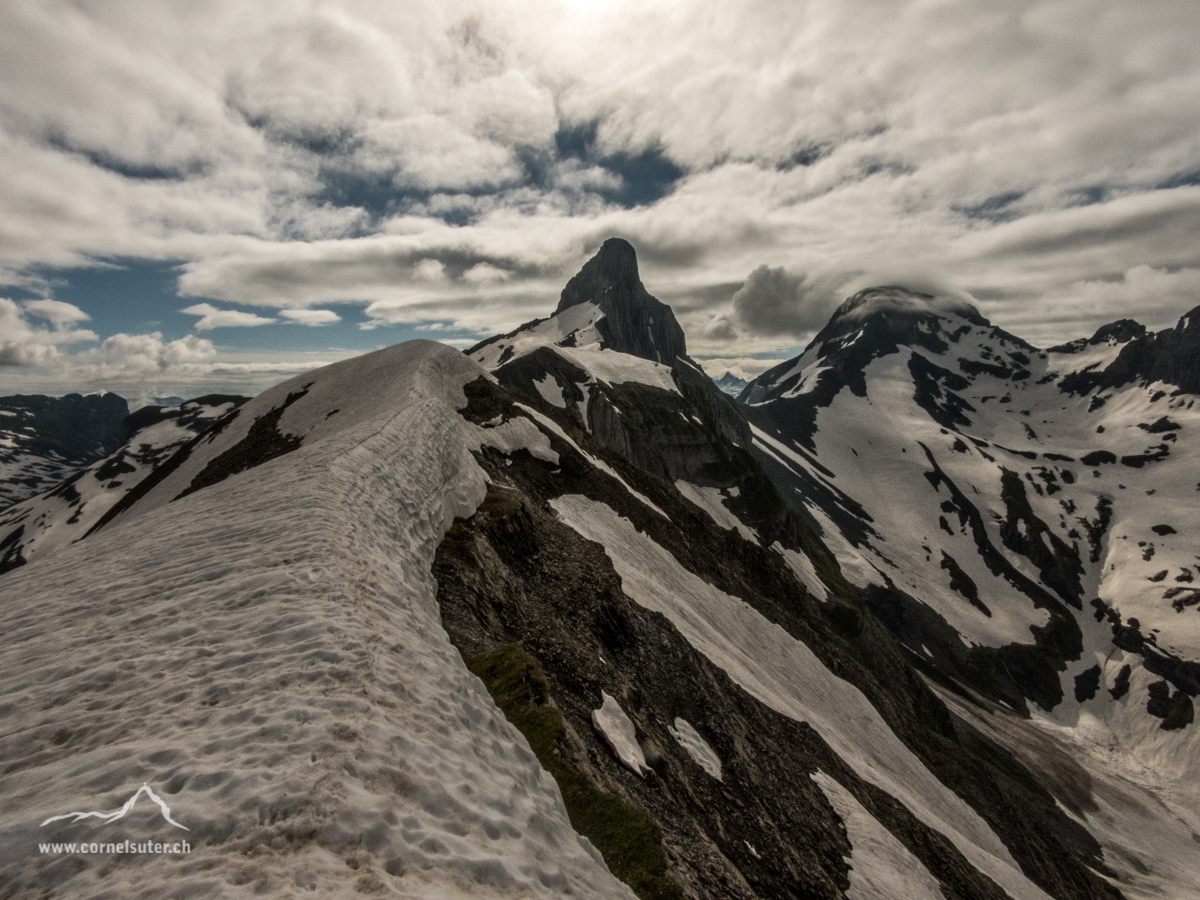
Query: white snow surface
x=1144, y=813
x=712, y=501
x=587, y=353
x=619, y=733
x=881, y=868
x=267, y=655
x=803, y=568
x=784, y=674
x=581, y=318
x=696, y=747
x=619, y=368
x=18, y=467
x=551, y=391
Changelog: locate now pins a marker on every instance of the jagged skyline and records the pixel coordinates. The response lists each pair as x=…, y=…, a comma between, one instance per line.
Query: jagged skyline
x=216, y=199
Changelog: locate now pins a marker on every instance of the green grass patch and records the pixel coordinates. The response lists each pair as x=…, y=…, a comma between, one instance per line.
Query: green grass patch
x=629, y=840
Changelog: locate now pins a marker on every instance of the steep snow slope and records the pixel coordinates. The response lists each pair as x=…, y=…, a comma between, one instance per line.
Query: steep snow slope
x=265, y=652
x=881, y=868
x=69, y=510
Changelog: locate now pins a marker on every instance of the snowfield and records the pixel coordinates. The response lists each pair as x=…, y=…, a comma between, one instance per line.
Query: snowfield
x=66, y=513
x=267, y=654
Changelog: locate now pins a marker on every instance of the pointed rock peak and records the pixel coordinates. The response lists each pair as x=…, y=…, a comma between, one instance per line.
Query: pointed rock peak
x=634, y=322
x=731, y=384
x=613, y=269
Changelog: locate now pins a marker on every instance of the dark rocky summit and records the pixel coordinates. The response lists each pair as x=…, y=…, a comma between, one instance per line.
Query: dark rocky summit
x=634, y=322
x=1171, y=356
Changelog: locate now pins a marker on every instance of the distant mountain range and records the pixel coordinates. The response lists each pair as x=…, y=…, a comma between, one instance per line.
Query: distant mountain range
x=913, y=616
x=80, y=501
x=43, y=439
x=731, y=384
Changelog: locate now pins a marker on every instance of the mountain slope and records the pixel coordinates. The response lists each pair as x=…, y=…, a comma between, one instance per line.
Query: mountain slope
x=285, y=680
x=69, y=510
x=516, y=623
x=43, y=439
x=1020, y=519
x=684, y=433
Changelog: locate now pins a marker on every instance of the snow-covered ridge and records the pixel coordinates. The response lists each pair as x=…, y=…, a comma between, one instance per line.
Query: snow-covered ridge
x=285, y=678
x=577, y=324
x=893, y=299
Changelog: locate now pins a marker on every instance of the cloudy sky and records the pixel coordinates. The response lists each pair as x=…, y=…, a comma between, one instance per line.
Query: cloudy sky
x=211, y=195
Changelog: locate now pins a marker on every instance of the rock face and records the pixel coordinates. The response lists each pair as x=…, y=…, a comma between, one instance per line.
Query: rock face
x=42, y=439
x=634, y=322
x=1171, y=356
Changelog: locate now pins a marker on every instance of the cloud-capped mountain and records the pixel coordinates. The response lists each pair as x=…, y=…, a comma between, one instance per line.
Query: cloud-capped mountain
x=557, y=617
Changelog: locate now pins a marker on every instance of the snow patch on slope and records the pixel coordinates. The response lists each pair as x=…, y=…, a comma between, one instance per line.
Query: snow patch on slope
x=881, y=868
x=696, y=747
x=620, y=735
x=551, y=391
x=785, y=675
x=710, y=500
x=619, y=368
x=803, y=568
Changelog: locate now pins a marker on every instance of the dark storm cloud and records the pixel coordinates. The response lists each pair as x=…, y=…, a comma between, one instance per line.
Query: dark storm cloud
x=778, y=302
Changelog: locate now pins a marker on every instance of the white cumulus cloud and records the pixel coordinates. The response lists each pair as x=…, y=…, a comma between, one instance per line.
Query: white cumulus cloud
x=23, y=344
x=311, y=316
x=211, y=317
